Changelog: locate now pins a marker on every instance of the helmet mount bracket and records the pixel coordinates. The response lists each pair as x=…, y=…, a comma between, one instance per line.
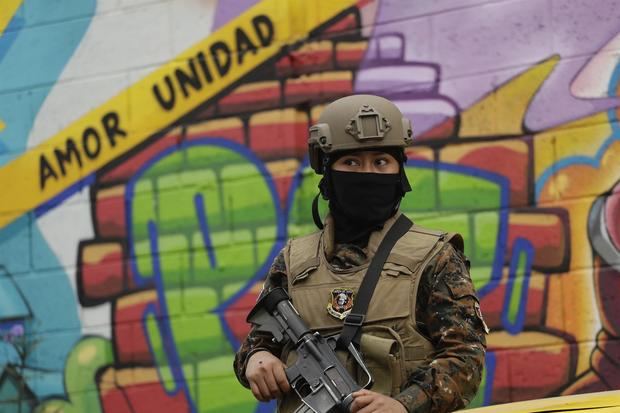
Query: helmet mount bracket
x=321, y=135
x=368, y=124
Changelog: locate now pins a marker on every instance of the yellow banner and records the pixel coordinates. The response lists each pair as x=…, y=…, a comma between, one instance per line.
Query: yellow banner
x=158, y=100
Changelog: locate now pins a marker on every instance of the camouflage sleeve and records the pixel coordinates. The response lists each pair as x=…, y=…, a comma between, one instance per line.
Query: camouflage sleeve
x=448, y=313
x=256, y=341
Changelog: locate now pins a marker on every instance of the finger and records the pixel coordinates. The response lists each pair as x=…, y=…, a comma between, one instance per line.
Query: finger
x=364, y=399
x=256, y=392
x=372, y=407
x=263, y=389
x=281, y=379
x=355, y=407
x=360, y=402
x=272, y=385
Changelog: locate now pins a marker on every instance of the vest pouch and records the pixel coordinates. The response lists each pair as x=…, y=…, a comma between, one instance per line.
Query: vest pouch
x=382, y=352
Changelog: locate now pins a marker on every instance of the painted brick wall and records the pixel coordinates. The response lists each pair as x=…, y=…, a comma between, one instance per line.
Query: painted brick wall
x=153, y=162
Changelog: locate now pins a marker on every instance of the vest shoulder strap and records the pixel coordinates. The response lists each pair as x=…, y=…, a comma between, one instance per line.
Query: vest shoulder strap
x=423, y=230
x=414, y=246
x=453, y=238
x=298, y=252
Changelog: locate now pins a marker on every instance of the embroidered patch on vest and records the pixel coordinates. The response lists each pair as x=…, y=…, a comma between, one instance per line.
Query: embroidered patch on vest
x=341, y=303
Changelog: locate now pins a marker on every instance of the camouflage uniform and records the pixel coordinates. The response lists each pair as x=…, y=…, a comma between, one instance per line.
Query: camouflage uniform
x=448, y=314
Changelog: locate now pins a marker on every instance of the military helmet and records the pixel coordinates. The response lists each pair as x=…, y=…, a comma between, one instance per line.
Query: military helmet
x=357, y=122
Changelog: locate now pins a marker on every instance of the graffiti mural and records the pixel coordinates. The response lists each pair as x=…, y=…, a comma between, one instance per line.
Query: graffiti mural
x=153, y=163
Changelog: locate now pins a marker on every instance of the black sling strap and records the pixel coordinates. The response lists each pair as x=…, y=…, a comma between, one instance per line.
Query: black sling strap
x=353, y=322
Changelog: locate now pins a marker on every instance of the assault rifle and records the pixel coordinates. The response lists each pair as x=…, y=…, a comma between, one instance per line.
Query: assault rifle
x=319, y=378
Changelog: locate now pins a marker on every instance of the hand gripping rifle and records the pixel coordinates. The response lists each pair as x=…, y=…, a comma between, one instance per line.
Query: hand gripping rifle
x=319, y=378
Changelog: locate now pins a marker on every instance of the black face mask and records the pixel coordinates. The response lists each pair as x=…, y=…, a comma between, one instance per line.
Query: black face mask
x=361, y=203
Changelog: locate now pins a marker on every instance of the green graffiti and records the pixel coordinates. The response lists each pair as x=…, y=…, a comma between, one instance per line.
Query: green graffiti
x=216, y=224
x=86, y=358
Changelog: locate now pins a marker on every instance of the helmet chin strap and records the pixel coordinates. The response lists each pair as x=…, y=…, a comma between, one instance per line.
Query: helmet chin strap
x=323, y=191
x=404, y=182
x=315, y=212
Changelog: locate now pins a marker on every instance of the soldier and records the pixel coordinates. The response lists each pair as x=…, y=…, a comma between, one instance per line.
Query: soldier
x=423, y=336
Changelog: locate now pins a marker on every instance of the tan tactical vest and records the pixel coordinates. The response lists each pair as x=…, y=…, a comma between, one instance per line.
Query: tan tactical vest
x=391, y=345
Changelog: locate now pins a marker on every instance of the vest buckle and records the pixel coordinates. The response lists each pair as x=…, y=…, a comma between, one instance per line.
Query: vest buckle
x=355, y=320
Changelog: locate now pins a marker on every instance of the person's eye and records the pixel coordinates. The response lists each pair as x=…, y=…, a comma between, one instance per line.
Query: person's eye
x=381, y=161
x=350, y=162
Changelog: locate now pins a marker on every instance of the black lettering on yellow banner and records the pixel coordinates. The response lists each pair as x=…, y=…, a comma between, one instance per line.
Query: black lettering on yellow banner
x=89, y=147
x=220, y=55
